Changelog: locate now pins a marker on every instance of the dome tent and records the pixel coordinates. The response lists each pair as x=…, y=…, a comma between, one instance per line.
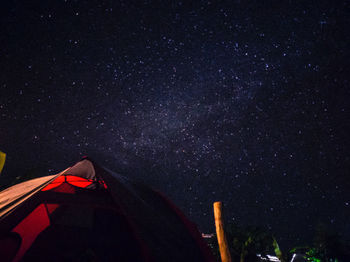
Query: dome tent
x=89, y=213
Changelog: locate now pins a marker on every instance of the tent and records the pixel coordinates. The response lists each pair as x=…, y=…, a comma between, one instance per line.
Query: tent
x=89, y=213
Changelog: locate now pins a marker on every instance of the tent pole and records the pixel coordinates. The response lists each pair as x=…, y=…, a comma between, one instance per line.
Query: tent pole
x=223, y=247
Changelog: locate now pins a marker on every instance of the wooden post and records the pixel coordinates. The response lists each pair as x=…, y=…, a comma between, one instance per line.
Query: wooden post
x=2, y=160
x=223, y=247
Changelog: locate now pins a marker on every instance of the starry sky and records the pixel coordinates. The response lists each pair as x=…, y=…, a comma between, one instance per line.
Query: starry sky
x=246, y=102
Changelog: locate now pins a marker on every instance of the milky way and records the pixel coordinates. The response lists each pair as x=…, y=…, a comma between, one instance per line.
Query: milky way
x=241, y=102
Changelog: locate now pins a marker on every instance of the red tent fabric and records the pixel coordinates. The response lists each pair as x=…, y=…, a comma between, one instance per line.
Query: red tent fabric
x=86, y=213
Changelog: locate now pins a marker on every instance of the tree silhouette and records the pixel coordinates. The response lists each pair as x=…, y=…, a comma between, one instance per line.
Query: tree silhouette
x=246, y=243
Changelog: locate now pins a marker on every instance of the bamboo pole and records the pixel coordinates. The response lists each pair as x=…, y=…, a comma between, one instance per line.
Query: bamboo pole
x=223, y=247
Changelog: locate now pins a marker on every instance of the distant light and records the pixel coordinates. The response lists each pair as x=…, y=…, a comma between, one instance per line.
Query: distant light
x=207, y=235
x=293, y=257
x=268, y=258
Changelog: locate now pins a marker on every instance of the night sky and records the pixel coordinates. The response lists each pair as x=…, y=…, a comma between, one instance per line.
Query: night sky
x=246, y=102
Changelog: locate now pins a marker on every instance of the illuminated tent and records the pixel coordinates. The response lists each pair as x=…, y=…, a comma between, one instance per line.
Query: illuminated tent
x=86, y=213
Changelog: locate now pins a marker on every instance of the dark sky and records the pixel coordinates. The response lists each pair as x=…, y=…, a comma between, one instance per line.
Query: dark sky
x=241, y=101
